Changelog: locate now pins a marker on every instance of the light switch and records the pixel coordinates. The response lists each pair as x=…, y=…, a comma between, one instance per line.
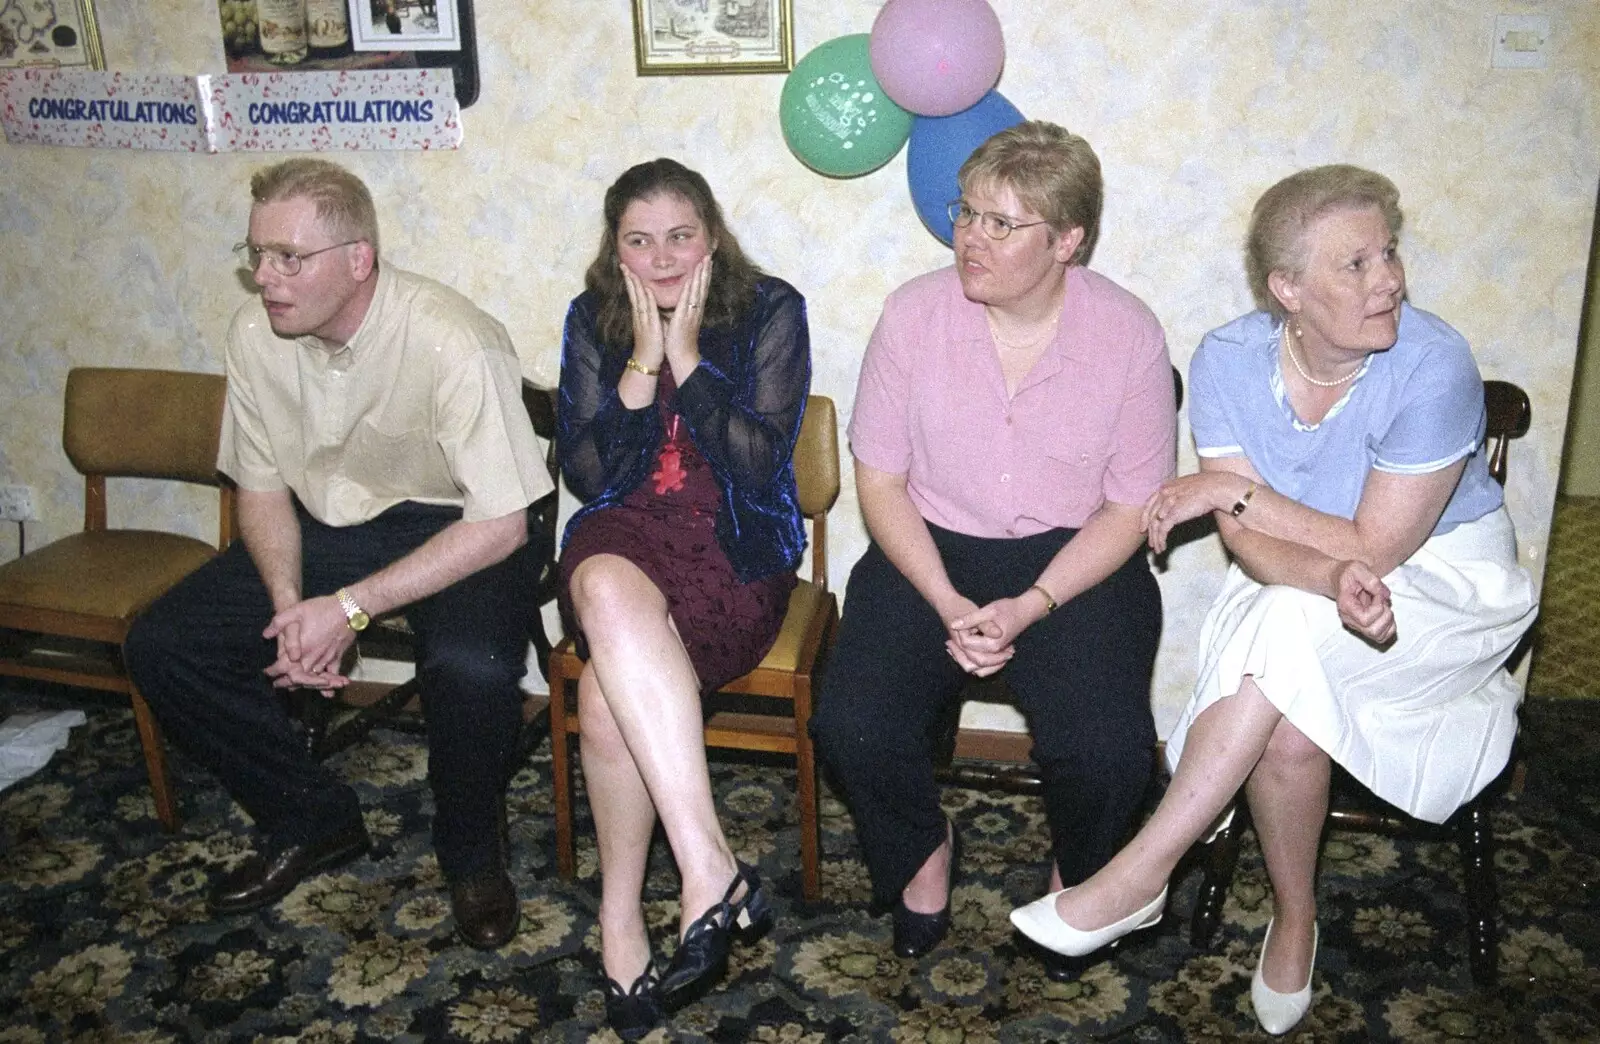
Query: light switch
x=1520, y=42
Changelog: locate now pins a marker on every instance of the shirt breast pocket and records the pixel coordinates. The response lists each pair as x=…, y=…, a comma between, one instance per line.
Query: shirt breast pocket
x=1064, y=481
x=391, y=463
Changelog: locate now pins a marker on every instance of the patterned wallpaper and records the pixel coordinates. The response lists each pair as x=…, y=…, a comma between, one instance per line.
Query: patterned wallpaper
x=1194, y=108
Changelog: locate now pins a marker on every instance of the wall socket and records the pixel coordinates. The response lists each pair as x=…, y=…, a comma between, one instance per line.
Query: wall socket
x=16, y=504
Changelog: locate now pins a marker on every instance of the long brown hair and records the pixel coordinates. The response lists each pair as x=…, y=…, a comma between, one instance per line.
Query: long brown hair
x=733, y=275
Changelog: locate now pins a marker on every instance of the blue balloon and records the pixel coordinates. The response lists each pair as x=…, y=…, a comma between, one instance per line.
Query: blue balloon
x=939, y=145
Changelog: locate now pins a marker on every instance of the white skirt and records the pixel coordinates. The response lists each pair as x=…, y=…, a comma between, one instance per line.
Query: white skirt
x=1426, y=723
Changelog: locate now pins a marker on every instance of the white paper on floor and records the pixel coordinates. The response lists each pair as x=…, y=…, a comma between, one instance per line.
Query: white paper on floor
x=27, y=741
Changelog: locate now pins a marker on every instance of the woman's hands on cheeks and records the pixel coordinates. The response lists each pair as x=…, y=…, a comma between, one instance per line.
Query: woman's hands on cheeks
x=683, y=329
x=1364, y=602
x=1191, y=496
x=649, y=339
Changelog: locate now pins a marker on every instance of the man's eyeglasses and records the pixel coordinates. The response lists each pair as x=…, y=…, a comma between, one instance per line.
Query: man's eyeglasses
x=285, y=262
x=995, y=226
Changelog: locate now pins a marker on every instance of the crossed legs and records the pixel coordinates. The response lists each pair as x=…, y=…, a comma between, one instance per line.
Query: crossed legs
x=1239, y=741
x=642, y=745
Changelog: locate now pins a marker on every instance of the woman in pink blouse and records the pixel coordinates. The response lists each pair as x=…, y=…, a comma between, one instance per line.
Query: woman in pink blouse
x=1013, y=414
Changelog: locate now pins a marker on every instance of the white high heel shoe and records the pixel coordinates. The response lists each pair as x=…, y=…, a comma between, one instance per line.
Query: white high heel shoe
x=1279, y=1012
x=1040, y=922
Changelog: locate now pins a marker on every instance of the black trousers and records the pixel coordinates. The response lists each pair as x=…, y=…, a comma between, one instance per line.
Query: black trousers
x=1081, y=676
x=197, y=656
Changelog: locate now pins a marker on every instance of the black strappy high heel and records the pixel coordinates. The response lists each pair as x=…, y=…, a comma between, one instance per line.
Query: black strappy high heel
x=637, y=1010
x=702, y=956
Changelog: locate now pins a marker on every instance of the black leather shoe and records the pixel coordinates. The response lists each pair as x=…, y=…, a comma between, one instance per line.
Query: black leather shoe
x=702, y=955
x=263, y=879
x=486, y=909
x=918, y=933
x=637, y=1010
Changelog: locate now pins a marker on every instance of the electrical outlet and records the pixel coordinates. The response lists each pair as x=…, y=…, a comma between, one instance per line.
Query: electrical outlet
x=16, y=504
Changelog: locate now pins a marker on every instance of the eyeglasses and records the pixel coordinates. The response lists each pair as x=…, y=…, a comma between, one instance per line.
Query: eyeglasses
x=995, y=226
x=285, y=262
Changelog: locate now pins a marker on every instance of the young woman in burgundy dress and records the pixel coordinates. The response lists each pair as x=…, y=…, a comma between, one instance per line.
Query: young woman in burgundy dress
x=684, y=375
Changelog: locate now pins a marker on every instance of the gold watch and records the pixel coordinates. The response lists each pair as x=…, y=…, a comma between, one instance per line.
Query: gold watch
x=354, y=615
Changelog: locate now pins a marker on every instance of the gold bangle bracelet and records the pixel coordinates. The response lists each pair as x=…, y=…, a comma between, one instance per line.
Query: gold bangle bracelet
x=638, y=367
x=1049, y=603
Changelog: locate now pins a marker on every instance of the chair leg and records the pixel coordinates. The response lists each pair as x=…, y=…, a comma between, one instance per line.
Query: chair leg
x=155, y=761
x=1221, y=859
x=805, y=759
x=561, y=772
x=1476, y=840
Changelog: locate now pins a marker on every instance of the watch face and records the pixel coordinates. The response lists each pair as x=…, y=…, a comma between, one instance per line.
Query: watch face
x=359, y=620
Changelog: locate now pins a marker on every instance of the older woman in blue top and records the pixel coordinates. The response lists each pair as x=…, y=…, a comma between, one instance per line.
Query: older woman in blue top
x=684, y=373
x=1374, y=593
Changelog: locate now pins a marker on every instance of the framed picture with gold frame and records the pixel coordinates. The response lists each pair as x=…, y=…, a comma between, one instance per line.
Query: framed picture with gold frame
x=50, y=34
x=677, y=37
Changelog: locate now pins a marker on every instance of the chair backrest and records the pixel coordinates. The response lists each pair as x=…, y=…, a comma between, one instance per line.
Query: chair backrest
x=816, y=472
x=1509, y=416
x=143, y=424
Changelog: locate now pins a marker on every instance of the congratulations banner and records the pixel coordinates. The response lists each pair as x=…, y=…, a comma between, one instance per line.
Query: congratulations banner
x=288, y=112
x=101, y=110
x=323, y=111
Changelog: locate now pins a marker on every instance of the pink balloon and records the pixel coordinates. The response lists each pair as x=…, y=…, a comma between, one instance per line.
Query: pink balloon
x=936, y=57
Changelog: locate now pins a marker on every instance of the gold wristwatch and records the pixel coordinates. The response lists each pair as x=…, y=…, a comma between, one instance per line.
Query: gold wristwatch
x=354, y=615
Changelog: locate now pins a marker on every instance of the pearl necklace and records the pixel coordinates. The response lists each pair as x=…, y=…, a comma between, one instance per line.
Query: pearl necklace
x=1025, y=345
x=1288, y=348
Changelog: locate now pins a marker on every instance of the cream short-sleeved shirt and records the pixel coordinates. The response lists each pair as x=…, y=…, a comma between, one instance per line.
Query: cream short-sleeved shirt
x=424, y=403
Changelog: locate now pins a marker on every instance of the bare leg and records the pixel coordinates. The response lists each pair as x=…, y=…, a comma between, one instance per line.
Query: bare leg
x=929, y=890
x=646, y=681
x=1288, y=795
x=1224, y=744
x=624, y=819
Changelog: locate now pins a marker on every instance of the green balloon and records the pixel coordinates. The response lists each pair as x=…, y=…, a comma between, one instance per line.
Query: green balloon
x=835, y=116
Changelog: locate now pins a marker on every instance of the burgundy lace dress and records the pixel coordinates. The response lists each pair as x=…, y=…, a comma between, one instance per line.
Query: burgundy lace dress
x=667, y=527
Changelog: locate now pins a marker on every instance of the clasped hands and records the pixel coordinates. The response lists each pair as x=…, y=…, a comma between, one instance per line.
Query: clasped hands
x=312, y=637
x=1363, y=599
x=678, y=337
x=982, y=639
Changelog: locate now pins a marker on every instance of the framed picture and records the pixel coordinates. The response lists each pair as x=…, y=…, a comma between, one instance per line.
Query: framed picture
x=54, y=34
x=336, y=35
x=405, y=25
x=673, y=37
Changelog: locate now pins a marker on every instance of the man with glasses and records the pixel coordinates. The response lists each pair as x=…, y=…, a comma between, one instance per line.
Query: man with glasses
x=376, y=432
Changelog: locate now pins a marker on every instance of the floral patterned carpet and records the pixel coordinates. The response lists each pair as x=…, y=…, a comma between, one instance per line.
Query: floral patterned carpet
x=104, y=935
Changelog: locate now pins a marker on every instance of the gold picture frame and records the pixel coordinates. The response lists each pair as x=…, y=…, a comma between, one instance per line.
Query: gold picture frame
x=60, y=35
x=701, y=37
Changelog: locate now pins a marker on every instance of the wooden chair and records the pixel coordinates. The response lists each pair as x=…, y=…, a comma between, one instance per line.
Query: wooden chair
x=65, y=609
x=1352, y=807
x=786, y=674
x=332, y=725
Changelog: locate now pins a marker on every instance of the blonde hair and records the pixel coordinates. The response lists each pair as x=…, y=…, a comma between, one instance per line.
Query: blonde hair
x=344, y=206
x=1053, y=172
x=1278, y=224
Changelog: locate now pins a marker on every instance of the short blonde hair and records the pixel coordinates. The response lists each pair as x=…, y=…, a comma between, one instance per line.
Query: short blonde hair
x=1053, y=172
x=1277, y=237
x=344, y=206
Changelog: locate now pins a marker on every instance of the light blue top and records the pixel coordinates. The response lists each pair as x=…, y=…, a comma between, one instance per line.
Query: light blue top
x=1412, y=409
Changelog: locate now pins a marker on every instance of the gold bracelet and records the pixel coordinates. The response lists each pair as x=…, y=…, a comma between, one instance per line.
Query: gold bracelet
x=1243, y=502
x=638, y=367
x=1049, y=603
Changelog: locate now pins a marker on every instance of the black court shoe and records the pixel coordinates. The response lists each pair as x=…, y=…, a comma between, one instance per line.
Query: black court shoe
x=917, y=933
x=702, y=956
x=637, y=1010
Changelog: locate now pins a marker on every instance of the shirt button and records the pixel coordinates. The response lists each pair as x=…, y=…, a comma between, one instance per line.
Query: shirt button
x=1009, y=421
x=1005, y=478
